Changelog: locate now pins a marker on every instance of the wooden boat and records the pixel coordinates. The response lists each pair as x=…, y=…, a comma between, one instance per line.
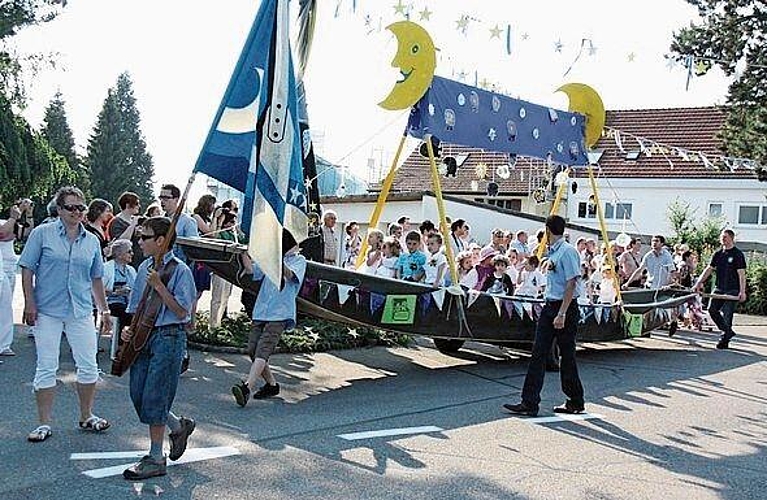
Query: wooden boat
x=448, y=316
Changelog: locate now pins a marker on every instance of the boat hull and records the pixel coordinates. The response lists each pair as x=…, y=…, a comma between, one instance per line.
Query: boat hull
x=357, y=299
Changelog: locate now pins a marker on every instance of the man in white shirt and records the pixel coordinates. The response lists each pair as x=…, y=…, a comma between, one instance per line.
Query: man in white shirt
x=659, y=263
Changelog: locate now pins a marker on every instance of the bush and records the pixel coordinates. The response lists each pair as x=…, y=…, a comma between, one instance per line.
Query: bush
x=701, y=236
x=310, y=335
x=756, y=286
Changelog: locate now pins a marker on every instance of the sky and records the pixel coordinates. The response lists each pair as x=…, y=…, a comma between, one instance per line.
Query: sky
x=181, y=53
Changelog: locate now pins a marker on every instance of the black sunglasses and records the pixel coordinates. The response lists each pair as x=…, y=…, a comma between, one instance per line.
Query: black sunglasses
x=167, y=197
x=72, y=208
x=145, y=237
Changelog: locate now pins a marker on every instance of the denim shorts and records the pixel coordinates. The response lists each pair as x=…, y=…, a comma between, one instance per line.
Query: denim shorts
x=154, y=374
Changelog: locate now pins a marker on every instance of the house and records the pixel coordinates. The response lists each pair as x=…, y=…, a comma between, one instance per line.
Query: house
x=645, y=160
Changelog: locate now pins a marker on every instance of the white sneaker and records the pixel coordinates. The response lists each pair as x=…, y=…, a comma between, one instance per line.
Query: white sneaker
x=7, y=352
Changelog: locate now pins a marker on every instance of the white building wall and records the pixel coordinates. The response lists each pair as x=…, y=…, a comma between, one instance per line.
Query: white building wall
x=650, y=199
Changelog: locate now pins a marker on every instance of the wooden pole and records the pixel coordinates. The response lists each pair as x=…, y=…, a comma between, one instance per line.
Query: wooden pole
x=605, y=237
x=385, y=187
x=554, y=210
x=441, y=210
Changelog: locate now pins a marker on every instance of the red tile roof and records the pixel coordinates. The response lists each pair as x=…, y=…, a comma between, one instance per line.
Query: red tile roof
x=690, y=129
x=693, y=130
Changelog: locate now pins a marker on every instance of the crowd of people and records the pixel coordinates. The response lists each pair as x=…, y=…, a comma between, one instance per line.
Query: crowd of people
x=85, y=267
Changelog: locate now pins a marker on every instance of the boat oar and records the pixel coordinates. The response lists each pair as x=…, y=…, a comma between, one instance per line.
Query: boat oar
x=720, y=296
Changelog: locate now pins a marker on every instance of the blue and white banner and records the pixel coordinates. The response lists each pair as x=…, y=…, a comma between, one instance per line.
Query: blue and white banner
x=255, y=143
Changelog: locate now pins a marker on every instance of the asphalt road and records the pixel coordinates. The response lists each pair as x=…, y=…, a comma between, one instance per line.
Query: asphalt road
x=672, y=418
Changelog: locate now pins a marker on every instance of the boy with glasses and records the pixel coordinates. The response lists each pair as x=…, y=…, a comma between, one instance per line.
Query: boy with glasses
x=155, y=372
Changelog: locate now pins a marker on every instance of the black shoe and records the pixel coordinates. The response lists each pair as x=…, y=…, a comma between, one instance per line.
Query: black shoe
x=185, y=363
x=241, y=393
x=267, y=391
x=569, y=408
x=179, y=439
x=146, y=468
x=724, y=341
x=521, y=409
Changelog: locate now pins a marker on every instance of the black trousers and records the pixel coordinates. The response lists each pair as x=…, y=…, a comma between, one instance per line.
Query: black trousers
x=545, y=334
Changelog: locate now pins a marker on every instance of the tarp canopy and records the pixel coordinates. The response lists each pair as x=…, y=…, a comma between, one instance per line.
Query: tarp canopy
x=457, y=113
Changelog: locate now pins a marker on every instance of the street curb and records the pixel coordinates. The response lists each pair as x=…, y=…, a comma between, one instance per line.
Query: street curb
x=217, y=348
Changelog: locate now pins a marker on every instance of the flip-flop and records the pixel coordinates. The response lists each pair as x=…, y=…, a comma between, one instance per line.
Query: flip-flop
x=40, y=434
x=95, y=424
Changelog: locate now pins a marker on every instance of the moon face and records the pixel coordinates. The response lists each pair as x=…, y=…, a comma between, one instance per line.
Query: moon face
x=586, y=101
x=416, y=60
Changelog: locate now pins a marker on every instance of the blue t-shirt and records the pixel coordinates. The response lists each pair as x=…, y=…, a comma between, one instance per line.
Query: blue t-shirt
x=411, y=264
x=565, y=264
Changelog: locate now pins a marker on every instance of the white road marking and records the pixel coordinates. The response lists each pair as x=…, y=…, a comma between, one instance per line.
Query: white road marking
x=390, y=432
x=192, y=455
x=563, y=418
x=107, y=455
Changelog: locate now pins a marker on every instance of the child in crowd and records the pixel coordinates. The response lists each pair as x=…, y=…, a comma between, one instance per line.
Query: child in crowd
x=607, y=292
x=475, y=250
x=374, y=256
x=410, y=265
x=389, y=256
x=436, y=262
x=587, y=290
x=464, y=263
x=531, y=281
x=475, y=278
x=499, y=283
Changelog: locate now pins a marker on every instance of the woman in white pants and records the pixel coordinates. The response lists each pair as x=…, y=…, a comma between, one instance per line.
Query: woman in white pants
x=8, y=277
x=66, y=264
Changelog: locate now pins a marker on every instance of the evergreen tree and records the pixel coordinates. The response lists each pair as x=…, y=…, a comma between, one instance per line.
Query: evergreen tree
x=117, y=158
x=59, y=136
x=733, y=36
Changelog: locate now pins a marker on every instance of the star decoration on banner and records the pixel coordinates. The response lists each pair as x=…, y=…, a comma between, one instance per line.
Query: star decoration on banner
x=308, y=183
x=353, y=333
x=295, y=195
x=492, y=134
x=463, y=24
x=525, y=36
x=312, y=207
x=400, y=8
x=592, y=48
x=425, y=14
x=558, y=46
x=484, y=83
x=495, y=32
x=631, y=56
x=701, y=67
x=670, y=64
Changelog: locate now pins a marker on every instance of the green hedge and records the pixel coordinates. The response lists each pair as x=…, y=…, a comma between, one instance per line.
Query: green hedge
x=310, y=335
x=756, y=285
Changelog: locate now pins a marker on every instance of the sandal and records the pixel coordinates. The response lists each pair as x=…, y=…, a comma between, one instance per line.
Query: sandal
x=40, y=434
x=95, y=424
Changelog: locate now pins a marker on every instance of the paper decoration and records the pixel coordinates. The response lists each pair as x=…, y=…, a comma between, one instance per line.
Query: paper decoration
x=497, y=302
x=416, y=59
x=439, y=297
x=598, y=314
x=376, y=301
x=325, y=288
x=633, y=324
x=495, y=32
x=399, y=310
x=425, y=14
x=343, y=293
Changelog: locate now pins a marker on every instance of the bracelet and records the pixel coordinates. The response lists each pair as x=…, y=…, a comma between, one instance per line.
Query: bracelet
x=561, y=315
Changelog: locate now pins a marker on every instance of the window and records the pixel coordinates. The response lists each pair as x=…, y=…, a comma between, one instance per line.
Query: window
x=587, y=210
x=715, y=210
x=618, y=211
x=633, y=155
x=509, y=204
x=749, y=214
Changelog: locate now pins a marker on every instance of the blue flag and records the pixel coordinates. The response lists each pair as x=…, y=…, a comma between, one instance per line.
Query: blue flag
x=255, y=145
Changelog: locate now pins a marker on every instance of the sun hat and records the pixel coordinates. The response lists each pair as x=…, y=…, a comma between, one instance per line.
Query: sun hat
x=487, y=252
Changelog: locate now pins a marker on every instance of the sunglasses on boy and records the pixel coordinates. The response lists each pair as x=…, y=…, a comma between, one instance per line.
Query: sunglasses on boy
x=71, y=208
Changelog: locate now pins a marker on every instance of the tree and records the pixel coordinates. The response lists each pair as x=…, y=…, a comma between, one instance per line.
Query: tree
x=117, y=158
x=29, y=167
x=16, y=15
x=733, y=36
x=59, y=135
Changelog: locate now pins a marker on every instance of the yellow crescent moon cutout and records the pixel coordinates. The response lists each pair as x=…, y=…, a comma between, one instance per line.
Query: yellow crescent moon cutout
x=416, y=60
x=586, y=101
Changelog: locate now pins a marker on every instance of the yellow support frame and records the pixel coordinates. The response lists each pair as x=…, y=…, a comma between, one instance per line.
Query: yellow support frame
x=441, y=210
x=385, y=188
x=554, y=210
x=605, y=237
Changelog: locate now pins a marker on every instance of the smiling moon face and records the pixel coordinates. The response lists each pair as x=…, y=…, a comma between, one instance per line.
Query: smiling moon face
x=416, y=60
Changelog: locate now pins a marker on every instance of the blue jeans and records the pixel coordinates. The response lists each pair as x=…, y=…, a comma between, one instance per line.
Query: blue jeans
x=545, y=334
x=154, y=374
x=721, y=312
